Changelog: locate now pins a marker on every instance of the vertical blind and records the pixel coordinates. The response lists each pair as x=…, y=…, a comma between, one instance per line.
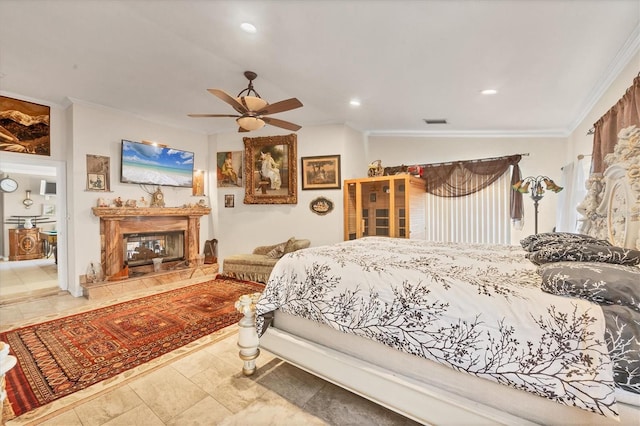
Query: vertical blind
x=481, y=217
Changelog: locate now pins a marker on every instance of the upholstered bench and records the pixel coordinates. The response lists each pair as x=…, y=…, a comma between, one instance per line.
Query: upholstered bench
x=257, y=266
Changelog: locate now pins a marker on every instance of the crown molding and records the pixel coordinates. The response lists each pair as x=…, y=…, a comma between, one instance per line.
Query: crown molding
x=551, y=133
x=619, y=63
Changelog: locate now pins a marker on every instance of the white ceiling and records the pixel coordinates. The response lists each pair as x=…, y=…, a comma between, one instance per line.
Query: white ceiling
x=405, y=60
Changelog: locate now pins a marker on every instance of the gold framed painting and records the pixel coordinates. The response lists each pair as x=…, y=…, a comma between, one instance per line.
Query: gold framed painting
x=321, y=172
x=270, y=170
x=25, y=128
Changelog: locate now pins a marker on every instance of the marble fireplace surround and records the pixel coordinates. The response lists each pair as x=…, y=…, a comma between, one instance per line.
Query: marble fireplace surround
x=117, y=221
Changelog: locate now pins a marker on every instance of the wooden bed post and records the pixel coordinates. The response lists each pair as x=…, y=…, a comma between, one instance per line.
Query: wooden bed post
x=248, y=336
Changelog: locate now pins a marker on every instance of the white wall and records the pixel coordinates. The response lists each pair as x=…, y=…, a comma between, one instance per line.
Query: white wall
x=242, y=228
x=98, y=131
x=546, y=157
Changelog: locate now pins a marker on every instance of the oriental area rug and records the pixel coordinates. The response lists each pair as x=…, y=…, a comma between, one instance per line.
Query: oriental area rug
x=59, y=357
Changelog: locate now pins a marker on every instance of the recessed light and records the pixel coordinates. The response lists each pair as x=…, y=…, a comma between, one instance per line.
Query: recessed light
x=354, y=102
x=489, y=92
x=248, y=28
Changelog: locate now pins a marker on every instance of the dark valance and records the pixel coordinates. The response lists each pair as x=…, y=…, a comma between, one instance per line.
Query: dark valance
x=462, y=178
x=625, y=113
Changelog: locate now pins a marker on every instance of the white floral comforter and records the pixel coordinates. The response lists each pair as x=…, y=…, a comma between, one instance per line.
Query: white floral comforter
x=476, y=308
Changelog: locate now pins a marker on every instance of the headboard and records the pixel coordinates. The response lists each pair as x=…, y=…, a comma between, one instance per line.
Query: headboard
x=611, y=208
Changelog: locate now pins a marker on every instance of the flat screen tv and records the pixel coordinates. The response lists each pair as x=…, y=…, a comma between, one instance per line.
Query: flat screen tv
x=147, y=164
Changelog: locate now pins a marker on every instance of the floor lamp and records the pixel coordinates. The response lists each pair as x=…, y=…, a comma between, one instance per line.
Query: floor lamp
x=534, y=184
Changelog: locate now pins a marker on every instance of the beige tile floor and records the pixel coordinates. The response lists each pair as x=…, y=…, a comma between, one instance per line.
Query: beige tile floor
x=205, y=387
x=20, y=279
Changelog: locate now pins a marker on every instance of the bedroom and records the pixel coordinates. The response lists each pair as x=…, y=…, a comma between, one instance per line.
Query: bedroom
x=84, y=128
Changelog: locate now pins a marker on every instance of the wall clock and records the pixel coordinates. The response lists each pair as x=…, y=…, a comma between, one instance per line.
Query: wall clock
x=8, y=185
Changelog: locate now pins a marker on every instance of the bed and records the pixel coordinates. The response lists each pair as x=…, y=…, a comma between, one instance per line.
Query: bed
x=469, y=334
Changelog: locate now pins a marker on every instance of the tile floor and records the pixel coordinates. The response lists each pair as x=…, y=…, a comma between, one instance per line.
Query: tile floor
x=26, y=278
x=205, y=387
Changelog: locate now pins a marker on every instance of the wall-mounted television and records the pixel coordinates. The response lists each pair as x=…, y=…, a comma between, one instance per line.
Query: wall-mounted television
x=147, y=164
x=47, y=188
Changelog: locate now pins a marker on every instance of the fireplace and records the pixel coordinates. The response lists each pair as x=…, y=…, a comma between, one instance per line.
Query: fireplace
x=142, y=248
x=172, y=233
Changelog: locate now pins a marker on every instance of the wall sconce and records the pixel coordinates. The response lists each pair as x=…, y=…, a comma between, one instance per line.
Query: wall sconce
x=534, y=184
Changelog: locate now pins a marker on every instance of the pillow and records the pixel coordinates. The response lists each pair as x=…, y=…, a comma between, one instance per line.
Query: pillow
x=602, y=283
x=277, y=251
x=290, y=246
x=578, y=252
x=537, y=241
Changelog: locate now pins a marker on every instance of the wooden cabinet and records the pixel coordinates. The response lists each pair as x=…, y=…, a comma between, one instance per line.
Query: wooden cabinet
x=390, y=206
x=25, y=244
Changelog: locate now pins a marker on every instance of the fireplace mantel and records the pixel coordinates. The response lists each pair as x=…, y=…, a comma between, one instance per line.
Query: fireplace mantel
x=149, y=211
x=116, y=221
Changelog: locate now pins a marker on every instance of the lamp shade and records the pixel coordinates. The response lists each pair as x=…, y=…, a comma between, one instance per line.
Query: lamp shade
x=253, y=103
x=250, y=123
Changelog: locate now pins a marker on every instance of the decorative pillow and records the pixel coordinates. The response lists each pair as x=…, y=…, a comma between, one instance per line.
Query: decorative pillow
x=602, y=283
x=537, y=241
x=578, y=252
x=290, y=246
x=277, y=251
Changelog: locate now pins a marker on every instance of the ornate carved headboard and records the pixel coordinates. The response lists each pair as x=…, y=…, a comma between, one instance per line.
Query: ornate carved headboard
x=611, y=208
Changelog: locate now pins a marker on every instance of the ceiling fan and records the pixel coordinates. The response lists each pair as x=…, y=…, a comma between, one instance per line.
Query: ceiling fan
x=252, y=109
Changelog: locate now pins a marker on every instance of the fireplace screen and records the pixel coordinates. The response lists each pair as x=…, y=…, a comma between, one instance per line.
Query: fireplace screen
x=140, y=249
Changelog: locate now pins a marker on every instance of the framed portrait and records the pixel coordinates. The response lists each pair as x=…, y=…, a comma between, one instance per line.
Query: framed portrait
x=229, y=200
x=98, y=173
x=229, y=166
x=270, y=170
x=29, y=134
x=322, y=172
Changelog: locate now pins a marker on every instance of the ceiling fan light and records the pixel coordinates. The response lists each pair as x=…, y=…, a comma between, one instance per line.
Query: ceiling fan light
x=250, y=123
x=253, y=103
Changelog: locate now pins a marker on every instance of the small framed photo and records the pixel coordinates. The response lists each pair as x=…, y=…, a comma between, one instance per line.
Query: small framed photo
x=48, y=210
x=321, y=172
x=229, y=200
x=96, y=182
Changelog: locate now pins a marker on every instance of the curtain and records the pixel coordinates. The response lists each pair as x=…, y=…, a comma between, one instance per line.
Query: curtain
x=573, y=181
x=463, y=178
x=624, y=113
x=481, y=217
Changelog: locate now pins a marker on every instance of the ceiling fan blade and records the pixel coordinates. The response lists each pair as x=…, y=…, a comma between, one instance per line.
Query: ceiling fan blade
x=228, y=99
x=281, y=123
x=281, y=106
x=211, y=115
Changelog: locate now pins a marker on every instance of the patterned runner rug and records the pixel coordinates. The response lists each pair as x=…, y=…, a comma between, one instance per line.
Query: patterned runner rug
x=59, y=357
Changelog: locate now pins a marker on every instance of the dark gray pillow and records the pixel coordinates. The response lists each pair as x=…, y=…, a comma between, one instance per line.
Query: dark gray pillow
x=537, y=241
x=602, y=283
x=585, y=252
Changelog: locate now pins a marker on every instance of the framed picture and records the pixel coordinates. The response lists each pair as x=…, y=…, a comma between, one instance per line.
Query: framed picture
x=198, y=183
x=229, y=165
x=95, y=182
x=229, y=200
x=48, y=210
x=98, y=173
x=270, y=170
x=322, y=172
x=30, y=135
x=321, y=206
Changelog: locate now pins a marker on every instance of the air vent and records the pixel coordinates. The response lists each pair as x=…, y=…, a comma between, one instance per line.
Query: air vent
x=435, y=120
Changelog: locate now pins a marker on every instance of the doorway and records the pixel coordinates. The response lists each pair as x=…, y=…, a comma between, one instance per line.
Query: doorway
x=45, y=272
